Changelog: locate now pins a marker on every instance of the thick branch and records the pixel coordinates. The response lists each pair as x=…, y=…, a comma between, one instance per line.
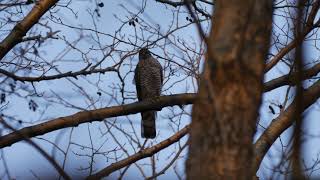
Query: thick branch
x=141, y=154
x=96, y=115
x=283, y=122
x=20, y=30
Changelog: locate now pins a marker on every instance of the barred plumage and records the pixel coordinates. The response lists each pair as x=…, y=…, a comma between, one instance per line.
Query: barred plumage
x=148, y=78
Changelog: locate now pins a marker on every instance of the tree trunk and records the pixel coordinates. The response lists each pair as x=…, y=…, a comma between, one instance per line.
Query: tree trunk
x=225, y=113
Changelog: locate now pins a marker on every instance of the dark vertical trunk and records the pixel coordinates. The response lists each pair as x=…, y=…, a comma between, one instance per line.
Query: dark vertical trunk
x=225, y=113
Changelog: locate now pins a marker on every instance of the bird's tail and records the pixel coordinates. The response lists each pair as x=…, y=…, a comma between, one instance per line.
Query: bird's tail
x=148, y=124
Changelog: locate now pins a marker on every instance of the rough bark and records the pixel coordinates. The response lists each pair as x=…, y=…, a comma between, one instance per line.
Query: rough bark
x=225, y=112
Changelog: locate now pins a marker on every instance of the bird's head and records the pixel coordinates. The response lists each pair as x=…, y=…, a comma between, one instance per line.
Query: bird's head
x=144, y=53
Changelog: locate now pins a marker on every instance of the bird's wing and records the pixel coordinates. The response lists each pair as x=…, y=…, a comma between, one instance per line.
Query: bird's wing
x=161, y=74
x=161, y=71
x=137, y=82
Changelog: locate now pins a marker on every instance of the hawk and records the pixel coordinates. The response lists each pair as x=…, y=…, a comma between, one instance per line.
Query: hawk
x=148, y=79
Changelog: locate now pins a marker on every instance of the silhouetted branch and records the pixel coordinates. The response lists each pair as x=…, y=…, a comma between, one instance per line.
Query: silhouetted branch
x=283, y=122
x=171, y=162
x=307, y=29
x=83, y=72
x=141, y=154
x=289, y=78
x=41, y=151
x=172, y=3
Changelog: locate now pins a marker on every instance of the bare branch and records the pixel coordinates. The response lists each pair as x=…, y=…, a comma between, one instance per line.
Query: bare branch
x=172, y=3
x=41, y=151
x=308, y=28
x=289, y=78
x=281, y=123
x=20, y=30
x=141, y=154
x=83, y=72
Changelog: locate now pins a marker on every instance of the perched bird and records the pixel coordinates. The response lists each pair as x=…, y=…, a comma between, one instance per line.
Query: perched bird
x=148, y=79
